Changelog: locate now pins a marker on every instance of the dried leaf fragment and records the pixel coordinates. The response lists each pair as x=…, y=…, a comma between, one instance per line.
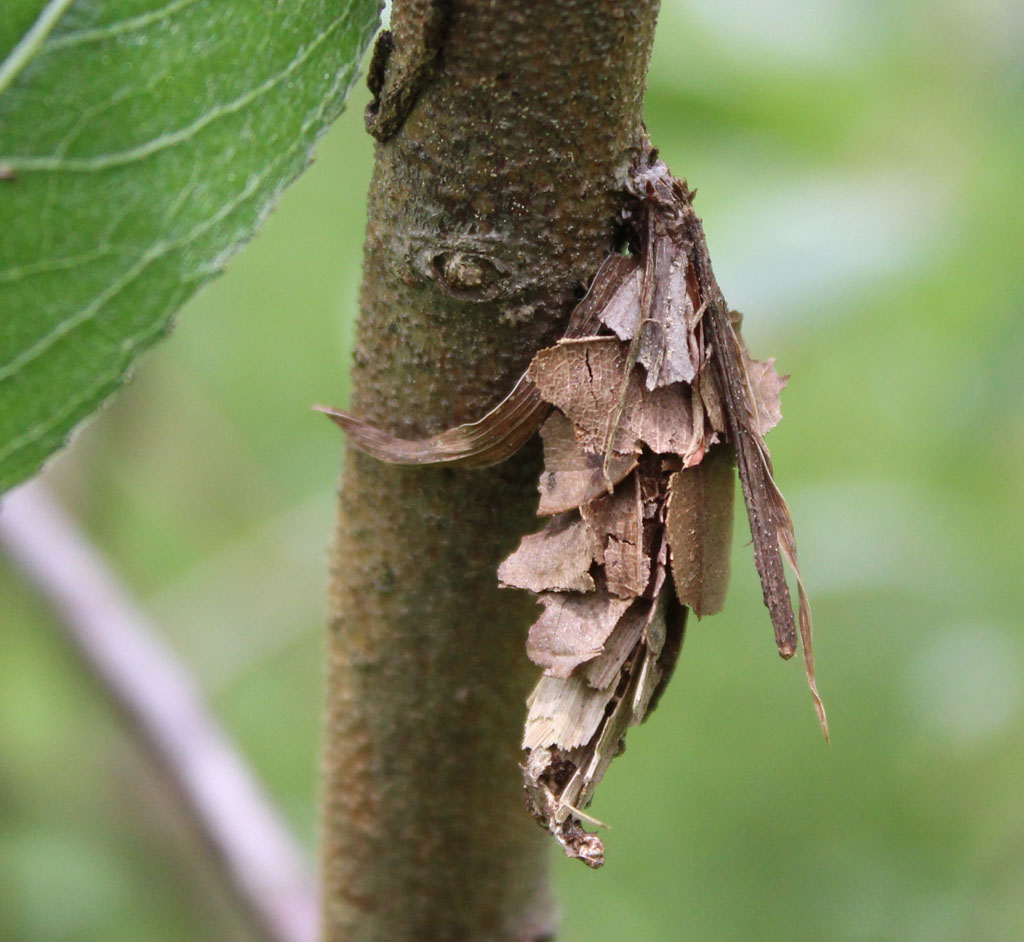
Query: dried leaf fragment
x=765, y=385
x=622, y=313
x=572, y=629
x=583, y=379
x=499, y=434
x=699, y=530
x=668, y=317
x=610, y=409
x=654, y=307
x=601, y=671
x=666, y=422
x=564, y=712
x=616, y=524
x=557, y=558
x=573, y=476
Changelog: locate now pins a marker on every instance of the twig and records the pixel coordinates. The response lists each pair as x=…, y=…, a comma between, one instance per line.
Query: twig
x=259, y=859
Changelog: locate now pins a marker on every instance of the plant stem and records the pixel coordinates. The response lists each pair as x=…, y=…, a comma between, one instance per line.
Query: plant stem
x=490, y=209
x=256, y=856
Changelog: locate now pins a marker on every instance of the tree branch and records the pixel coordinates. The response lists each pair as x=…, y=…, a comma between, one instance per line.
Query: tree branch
x=490, y=209
x=260, y=862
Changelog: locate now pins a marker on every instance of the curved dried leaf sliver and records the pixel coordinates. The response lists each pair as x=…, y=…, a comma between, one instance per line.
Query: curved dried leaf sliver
x=510, y=424
x=495, y=437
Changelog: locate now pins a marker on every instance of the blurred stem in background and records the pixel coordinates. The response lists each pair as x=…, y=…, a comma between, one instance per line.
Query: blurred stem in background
x=489, y=209
x=258, y=860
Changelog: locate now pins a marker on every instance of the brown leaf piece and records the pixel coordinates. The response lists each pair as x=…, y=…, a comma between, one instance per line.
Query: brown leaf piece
x=573, y=476
x=557, y=558
x=584, y=379
x=606, y=668
x=573, y=629
x=699, y=530
x=622, y=313
x=499, y=434
x=654, y=307
x=665, y=422
x=611, y=410
x=668, y=316
x=615, y=522
x=565, y=712
x=711, y=400
x=765, y=385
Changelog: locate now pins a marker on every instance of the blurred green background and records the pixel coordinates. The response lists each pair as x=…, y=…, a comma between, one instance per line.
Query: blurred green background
x=859, y=172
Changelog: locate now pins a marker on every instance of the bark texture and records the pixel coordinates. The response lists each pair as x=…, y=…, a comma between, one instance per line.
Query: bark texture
x=496, y=191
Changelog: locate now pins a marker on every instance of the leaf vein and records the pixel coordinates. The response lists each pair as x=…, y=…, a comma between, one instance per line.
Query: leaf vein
x=29, y=44
x=160, y=249
x=129, y=25
x=50, y=265
x=178, y=136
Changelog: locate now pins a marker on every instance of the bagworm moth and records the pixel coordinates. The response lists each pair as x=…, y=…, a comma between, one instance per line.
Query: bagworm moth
x=645, y=407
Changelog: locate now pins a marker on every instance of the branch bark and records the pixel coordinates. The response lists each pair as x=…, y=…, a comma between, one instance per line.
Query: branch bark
x=497, y=185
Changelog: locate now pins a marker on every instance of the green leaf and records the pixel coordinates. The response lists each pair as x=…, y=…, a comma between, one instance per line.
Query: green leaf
x=141, y=143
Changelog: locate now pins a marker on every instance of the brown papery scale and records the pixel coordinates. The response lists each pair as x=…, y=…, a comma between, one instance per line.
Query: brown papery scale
x=645, y=407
